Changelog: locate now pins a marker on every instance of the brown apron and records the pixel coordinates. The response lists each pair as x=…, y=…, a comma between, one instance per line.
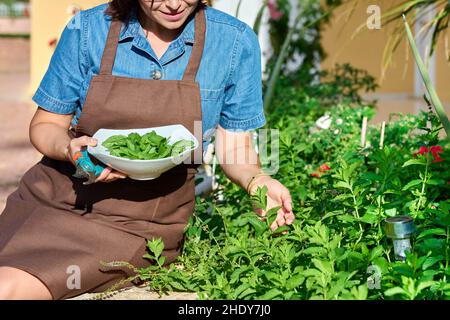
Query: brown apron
x=53, y=224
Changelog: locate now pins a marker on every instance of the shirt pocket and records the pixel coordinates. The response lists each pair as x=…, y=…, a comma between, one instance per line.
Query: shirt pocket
x=212, y=100
x=211, y=94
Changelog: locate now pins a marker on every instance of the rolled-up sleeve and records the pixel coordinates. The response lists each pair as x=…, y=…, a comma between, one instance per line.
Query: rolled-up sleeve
x=59, y=90
x=243, y=105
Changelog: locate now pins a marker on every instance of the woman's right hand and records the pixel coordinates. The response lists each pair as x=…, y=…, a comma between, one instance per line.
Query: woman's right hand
x=108, y=174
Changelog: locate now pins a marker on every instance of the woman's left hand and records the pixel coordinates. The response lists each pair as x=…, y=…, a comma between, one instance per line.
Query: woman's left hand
x=277, y=196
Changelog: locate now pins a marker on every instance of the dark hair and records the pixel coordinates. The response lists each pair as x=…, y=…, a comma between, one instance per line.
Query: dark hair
x=122, y=9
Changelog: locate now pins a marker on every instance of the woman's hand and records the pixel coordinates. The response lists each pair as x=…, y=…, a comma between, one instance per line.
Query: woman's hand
x=277, y=196
x=108, y=174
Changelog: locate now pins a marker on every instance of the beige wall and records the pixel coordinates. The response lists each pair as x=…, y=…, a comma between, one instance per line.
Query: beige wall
x=49, y=18
x=365, y=51
x=443, y=71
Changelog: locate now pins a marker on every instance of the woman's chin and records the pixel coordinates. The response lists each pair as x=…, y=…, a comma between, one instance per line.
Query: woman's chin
x=172, y=22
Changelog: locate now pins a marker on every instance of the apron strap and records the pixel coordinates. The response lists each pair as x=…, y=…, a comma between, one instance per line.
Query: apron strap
x=109, y=53
x=197, y=50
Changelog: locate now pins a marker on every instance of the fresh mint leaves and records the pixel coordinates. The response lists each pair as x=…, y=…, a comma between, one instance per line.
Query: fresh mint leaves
x=150, y=146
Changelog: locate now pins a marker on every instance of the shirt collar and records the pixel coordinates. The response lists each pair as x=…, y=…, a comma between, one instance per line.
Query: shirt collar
x=133, y=29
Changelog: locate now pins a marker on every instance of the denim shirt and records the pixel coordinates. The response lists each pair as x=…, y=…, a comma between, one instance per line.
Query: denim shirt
x=229, y=75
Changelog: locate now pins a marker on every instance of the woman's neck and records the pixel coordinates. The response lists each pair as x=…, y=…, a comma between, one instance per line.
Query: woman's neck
x=156, y=29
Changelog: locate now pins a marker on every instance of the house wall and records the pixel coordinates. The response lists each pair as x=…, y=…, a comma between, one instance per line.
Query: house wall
x=48, y=19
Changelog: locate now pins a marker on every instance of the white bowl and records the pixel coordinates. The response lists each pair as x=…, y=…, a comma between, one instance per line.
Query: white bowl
x=143, y=169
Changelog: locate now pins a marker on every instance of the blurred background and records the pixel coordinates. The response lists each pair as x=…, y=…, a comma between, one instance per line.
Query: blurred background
x=343, y=38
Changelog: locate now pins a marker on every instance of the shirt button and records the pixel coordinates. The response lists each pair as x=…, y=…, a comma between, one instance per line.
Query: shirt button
x=157, y=74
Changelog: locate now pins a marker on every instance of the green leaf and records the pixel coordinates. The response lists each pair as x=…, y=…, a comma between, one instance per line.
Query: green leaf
x=436, y=182
x=412, y=184
x=382, y=263
x=237, y=274
x=295, y=281
x=315, y=250
x=177, y=285
x=272, y=276
x=259, y=198
x=272, y=214
x=246, y=292
x=431, y=261
x=376, y=252
x=324, y=266
x=391, y=212
x=161, y=260
x=312, y=273
x=271, y=294
x=394, y=291
x=156, y=246
x=424, y=285
x=434, y=232
x=369, y=218
x=243, y=290
x=343, y=184
x=257, y=224
x=281, y=229
x=360, y=292
x=346, y=218
x=414, y=162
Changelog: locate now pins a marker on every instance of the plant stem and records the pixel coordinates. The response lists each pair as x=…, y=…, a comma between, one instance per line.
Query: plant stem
x=259, y=15
x=238, y=8
x=357, y=216
x=281, y=58
x=446, y=248
x=213, y=237
x=427, y=81
x=424, y=183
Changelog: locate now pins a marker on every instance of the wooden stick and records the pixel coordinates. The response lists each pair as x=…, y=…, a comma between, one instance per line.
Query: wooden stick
x=364, y=132
x=383, y=127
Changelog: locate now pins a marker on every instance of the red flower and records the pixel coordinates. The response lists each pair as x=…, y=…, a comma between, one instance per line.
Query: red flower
x=52, y=42
x=318, y=173
x=434, y=151
x=422, y=150
x=274, y=13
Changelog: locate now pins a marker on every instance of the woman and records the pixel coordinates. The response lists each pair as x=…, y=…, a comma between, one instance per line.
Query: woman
x=108, y=71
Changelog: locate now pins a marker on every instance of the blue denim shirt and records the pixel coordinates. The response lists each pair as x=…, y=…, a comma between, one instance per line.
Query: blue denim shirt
x=229, y=75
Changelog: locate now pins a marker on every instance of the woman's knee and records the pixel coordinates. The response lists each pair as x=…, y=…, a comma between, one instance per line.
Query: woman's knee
x=16, y=284
x=6, y=285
